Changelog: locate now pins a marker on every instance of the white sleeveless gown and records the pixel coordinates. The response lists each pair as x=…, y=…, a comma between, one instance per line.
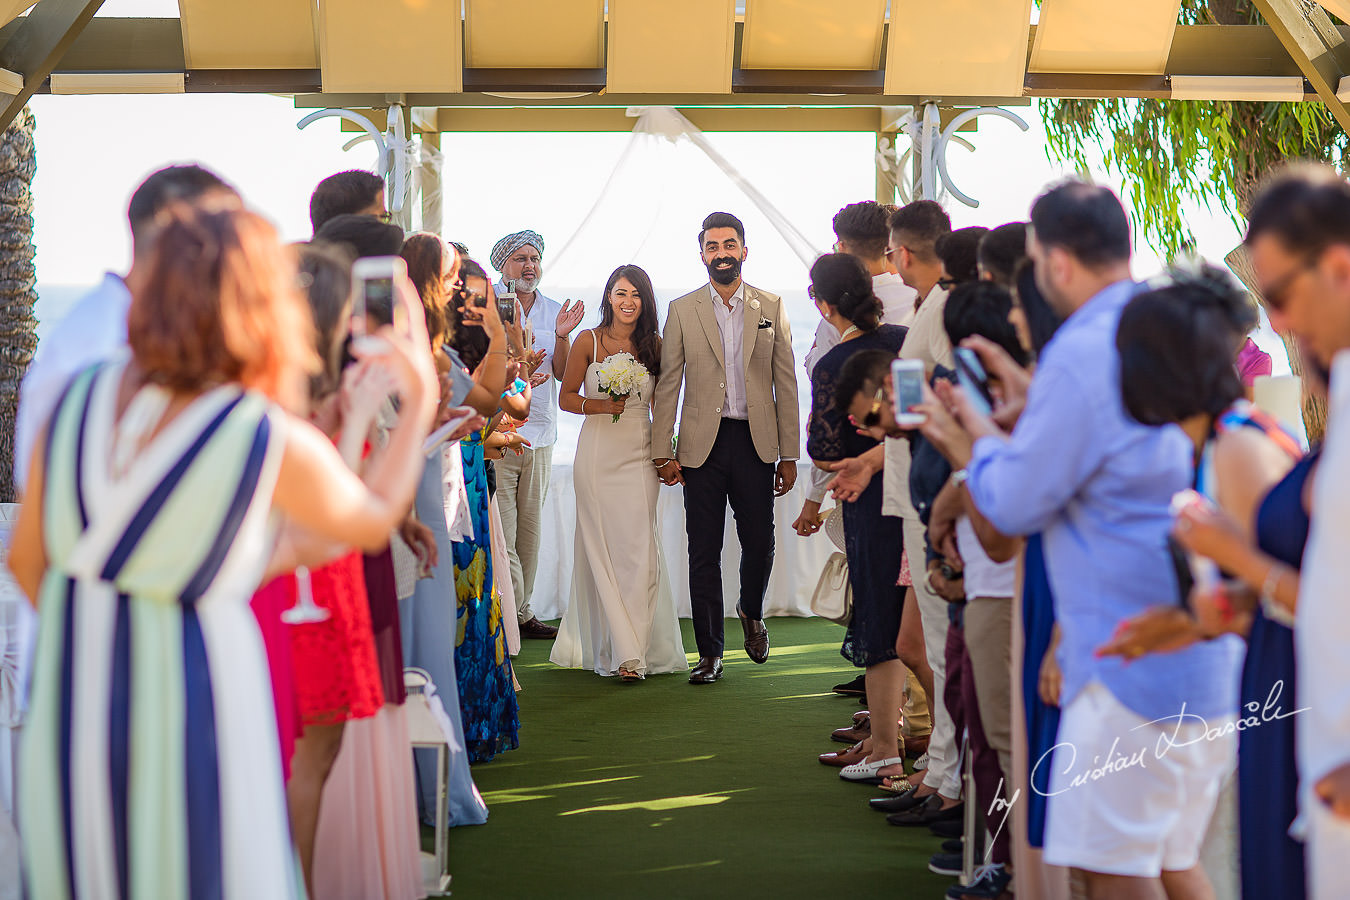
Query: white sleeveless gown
x=621, y=611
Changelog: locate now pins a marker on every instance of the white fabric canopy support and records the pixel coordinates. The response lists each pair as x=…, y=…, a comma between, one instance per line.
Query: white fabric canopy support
x=797, y=565
x=657, y=125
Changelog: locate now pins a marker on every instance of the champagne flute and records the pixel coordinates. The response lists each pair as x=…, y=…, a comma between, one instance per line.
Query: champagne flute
x=305, y=610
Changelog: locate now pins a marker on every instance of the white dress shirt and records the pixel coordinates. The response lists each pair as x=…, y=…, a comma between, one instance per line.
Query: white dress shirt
x=541, y=430
x=1322, y=623
x=731, y=324
x=927, y=340
x=94, y=330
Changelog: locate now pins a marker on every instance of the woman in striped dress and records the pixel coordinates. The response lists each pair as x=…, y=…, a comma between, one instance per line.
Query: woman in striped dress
x=150, y=764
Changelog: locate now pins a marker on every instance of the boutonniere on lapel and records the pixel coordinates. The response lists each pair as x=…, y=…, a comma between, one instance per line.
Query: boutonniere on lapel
x=763, y=322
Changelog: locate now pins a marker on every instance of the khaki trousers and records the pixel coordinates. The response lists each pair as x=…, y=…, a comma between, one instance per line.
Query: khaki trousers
x=522, y=487
x=988, y=624
x=943, y=772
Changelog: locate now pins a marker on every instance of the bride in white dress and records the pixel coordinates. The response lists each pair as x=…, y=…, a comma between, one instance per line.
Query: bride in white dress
x=621, y=616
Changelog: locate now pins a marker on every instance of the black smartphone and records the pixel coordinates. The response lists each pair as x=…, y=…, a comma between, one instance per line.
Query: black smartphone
x=971, y=376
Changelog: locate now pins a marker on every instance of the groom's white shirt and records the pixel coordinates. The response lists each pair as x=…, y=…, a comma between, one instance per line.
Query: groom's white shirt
x=731, y=323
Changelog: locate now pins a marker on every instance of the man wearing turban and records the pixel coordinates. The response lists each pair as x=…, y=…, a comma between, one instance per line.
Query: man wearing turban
x=522, y=481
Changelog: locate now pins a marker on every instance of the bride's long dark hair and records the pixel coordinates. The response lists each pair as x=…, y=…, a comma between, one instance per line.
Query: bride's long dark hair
x=646, y=334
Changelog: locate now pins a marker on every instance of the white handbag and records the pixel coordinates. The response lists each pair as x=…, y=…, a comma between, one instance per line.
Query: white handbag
x=833, y=596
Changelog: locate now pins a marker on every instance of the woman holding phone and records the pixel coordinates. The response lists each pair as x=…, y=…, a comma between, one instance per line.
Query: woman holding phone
x=153, y=560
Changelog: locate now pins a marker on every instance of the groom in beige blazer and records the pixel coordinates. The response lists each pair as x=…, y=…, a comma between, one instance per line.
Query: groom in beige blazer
x=730, y=345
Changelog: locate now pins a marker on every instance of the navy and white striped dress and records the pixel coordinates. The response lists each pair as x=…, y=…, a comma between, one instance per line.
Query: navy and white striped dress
x=150, y=762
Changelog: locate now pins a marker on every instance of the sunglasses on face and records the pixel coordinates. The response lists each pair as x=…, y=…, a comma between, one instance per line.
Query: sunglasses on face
x=873, y=417
x=1277, y=294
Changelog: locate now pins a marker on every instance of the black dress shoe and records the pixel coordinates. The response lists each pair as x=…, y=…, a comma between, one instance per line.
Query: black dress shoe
x=756, y=637
x=950, y=830
x=537, y=630
x=708, y=670
x=855, y=688
x=929, y=812
x=902, y=803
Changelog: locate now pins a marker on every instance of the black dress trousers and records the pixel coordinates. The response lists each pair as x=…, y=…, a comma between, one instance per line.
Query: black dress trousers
x=733, y=473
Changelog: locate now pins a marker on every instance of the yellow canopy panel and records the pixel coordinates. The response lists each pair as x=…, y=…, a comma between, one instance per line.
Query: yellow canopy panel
x=1093, y=37
x=957, y=48
x=393, y=46
x=12, y=9
x=808, y=34
x=660, y=46
x=234, y=36
x=534, y=34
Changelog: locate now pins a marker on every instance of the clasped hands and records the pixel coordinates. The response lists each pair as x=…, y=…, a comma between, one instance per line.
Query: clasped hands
x=784, y=479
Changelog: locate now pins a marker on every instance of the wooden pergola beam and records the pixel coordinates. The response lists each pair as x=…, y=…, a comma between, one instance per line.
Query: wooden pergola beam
x=39, y=42
x=1316, y=44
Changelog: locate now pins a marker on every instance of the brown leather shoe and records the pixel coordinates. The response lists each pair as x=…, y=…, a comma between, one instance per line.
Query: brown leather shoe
x=852, y=735
x=854, y=754
x=915, y=746
x=536, y=629
x=756, y=637
x=708, y=670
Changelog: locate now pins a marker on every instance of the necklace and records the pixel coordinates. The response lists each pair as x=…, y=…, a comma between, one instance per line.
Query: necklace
x=849, y=332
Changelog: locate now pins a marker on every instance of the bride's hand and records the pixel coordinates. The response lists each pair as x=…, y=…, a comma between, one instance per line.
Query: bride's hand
x=606, y=405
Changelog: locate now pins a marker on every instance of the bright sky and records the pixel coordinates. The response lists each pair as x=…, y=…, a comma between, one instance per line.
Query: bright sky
x=93, y=151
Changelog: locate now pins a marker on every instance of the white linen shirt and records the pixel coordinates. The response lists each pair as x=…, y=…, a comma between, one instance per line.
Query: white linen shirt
x=541, y=430
x=731, y=324
x=1322, y=628
x=94, y=330
x=927, y=340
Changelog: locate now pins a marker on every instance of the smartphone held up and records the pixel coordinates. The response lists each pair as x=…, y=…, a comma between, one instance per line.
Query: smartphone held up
x=375, y=302
x=907, y=390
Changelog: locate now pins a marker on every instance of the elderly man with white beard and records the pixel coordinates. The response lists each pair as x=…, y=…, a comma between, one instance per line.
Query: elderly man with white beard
x=522, y=480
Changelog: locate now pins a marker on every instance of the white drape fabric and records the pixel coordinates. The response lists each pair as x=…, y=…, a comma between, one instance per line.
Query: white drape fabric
x=658, y=130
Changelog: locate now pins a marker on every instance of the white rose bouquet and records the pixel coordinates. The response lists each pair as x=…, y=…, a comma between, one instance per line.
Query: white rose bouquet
x=620, y=376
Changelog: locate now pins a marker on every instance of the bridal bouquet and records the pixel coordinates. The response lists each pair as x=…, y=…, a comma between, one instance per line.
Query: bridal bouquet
x=620, y=376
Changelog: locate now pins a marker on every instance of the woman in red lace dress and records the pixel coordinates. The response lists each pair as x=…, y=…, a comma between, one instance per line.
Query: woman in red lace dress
x=337, y=675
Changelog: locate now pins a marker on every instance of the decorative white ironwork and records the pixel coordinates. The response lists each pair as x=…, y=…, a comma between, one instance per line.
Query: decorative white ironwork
x=929, y=141
x=396, y=154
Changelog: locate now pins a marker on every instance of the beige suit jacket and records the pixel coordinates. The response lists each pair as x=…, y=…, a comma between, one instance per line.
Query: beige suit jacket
x=691, y=353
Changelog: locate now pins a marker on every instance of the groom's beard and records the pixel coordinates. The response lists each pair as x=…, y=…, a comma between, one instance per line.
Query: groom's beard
x=727, y=275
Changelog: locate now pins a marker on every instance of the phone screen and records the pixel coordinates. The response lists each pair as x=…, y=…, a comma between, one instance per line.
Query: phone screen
x=906, y=387
x=974, y=381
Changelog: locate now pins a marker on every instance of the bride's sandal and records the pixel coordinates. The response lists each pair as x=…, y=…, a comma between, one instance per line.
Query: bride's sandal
x=628, y=676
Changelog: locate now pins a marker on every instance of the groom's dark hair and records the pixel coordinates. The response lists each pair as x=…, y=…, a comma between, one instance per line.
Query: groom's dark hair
x=722, y=220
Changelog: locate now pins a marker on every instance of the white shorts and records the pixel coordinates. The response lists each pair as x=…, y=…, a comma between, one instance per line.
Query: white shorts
x=1131, y=798
x=1328, y=838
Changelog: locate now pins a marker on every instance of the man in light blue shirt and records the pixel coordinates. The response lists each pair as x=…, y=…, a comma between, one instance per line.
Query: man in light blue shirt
x=1134, y=780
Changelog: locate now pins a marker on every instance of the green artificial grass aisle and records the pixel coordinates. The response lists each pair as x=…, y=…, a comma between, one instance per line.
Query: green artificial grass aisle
x=665, y=789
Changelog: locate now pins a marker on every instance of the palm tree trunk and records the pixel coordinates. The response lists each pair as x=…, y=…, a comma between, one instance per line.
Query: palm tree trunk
x=18, y=281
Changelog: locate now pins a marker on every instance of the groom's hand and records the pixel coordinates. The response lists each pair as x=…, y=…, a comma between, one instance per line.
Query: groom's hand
x=785, y=477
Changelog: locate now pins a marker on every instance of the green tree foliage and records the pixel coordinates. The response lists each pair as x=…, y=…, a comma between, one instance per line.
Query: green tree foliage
x=1173, y=151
